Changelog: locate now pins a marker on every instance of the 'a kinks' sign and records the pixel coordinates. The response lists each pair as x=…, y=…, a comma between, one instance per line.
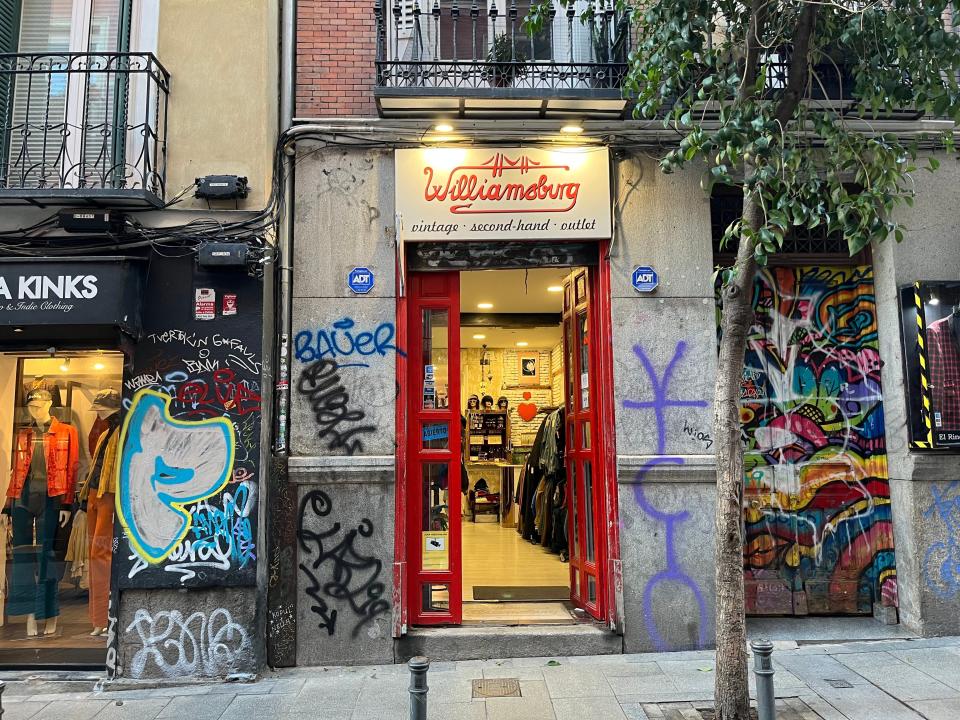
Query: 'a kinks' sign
x=503, y=193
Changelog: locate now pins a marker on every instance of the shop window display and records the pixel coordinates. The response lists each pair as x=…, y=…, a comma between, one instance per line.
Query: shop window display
x=931, y=328
x=59, y=427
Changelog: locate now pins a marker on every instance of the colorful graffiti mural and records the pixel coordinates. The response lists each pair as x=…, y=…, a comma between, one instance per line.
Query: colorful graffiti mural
x=818, y=537
x=166, y=465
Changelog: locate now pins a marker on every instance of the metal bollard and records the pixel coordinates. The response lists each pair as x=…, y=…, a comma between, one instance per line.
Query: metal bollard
x=418, y=687
x=763, y=669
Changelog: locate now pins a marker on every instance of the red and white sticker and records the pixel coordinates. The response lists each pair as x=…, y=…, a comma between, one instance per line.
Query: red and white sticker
x=205, y=304
x=229, y=304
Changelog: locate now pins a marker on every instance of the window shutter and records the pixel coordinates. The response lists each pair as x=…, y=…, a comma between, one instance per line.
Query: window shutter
x=9, y=25
x=9, y=33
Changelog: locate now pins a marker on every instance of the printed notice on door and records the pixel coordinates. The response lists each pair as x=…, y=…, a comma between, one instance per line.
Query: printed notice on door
x=435, y=552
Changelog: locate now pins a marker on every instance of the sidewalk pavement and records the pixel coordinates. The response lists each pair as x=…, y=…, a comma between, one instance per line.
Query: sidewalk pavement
x=883, y=680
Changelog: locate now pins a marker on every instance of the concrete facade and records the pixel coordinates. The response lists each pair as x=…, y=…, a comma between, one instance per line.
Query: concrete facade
x=665, y=470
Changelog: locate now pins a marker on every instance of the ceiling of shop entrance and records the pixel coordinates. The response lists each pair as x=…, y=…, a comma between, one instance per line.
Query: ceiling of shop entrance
x=513, y=292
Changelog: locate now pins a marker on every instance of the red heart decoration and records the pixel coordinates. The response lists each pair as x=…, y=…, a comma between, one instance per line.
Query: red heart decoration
x=527, y=411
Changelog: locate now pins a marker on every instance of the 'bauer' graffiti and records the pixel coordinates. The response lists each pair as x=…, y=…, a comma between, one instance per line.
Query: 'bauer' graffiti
x=167, y=464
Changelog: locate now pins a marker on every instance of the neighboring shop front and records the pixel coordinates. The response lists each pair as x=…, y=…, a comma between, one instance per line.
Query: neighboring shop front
x=130, y=427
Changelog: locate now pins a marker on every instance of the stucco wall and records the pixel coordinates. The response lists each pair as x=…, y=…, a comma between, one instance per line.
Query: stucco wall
x=926, y=516
x=222, y=57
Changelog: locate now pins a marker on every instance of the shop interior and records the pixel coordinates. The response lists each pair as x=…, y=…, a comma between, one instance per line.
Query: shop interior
x=514, y=544
x=59, y=412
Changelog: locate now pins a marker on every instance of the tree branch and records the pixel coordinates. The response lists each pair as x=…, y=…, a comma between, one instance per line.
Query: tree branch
x=756, y=26
x=799, y=73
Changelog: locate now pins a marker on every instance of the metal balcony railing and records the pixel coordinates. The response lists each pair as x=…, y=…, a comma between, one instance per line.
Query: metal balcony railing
x=437, y=45
x=82, y=126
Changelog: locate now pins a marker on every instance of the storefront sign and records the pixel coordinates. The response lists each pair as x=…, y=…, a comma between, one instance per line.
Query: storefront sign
x=504, y=193
x=43, y=292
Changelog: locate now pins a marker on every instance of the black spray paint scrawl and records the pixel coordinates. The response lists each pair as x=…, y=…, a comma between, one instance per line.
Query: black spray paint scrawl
x=353, y=578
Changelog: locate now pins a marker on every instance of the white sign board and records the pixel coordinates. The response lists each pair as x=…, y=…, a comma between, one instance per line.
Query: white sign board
x=504, y=193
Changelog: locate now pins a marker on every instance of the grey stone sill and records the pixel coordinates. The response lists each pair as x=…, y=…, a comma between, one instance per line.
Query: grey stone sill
x=924, y=466
x=342, y=469
x=699, y=469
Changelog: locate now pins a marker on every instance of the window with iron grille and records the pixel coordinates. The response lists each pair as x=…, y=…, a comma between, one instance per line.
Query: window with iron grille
x=726, y=206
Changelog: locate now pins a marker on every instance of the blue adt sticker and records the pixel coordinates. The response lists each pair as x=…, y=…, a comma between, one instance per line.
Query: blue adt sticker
x=645, y=279
x=360, y=280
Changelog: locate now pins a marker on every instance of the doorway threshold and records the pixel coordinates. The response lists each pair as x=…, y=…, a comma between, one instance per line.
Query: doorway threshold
x=481, y=642
x=503, y=613
x=819, y=630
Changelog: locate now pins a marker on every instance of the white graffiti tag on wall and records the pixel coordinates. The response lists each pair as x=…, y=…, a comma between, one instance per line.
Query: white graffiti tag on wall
x=167, y=464
x=196, y=646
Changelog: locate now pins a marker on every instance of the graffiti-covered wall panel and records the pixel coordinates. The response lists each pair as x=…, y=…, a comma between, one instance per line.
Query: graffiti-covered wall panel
x=187, y=491
x=818, y=534
x=344, y=377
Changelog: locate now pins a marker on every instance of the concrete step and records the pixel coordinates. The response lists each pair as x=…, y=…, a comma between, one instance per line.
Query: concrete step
x=481, y=642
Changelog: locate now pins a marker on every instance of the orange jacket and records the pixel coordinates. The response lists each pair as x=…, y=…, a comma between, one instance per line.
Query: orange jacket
x=62, y=450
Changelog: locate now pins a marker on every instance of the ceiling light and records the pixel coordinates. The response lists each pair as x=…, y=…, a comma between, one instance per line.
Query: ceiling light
x=555, y=288
x=18, y=329
x=571, y=129
x=934, y=298
x=485, y=306
x=99, y=366
x=522, y=343
x=479, y=337
x=65, y=365
x=443, y=127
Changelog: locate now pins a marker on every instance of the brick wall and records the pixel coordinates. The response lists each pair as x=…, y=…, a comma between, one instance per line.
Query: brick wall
x=336, y=50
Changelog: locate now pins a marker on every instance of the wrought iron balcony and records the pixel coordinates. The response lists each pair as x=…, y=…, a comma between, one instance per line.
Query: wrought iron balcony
x=474, y=59
x=83, y=128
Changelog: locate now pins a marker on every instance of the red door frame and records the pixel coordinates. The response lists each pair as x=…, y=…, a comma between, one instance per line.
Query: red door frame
x=605, y=471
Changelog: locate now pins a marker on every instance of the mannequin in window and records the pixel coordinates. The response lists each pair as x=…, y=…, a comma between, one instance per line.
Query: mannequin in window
x=473, y=403
x=486, y=403
x=943, y=351
x=97, y=496
x=46, y=457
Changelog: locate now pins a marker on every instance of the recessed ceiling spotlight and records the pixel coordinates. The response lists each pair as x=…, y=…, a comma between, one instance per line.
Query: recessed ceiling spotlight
x=522, y=343
x=479, y=337
x=65, y=365
x=443, y=127
x=934, y=298
x=18, y=329
x=99, y=366
x=485, y=306
x=555, y=288
x=571, y=129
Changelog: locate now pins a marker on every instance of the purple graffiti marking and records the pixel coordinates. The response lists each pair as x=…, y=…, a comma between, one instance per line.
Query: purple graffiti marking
x=673, y=573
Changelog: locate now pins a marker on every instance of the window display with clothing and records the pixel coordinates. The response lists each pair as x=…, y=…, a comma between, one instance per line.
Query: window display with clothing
x=97, y=497
x=46, y=459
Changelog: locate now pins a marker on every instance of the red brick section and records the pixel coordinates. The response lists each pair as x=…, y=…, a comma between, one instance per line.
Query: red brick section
x=336, y=51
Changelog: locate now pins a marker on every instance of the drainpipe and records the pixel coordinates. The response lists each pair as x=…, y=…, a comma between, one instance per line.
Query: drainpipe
x=288, y=68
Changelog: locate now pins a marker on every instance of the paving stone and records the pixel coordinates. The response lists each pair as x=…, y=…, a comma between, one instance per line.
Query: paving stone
x=518, y=709
x=288, y=686
x=641, y=685
x=194, y=707
x=630, y=669
x=21, y=710
x=595, y=708
x=576, y=682
x=513, y=671
x=931, y=661
x=72, y=709
x=634, y=711
x=133, y=709
x=937, y=709
x=865, y=702
x=257, y=707
x=476, y=710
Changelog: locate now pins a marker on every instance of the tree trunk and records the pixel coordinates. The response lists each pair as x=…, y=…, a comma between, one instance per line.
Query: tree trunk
x=731, y=691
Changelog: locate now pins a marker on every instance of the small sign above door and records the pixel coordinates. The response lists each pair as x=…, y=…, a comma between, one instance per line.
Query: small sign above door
x=491, y=194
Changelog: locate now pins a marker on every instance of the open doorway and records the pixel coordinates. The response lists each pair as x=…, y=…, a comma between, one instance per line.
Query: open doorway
x=515, y=542
x=506, y=505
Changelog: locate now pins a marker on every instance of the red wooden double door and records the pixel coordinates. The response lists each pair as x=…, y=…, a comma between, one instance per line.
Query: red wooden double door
x=432, y=437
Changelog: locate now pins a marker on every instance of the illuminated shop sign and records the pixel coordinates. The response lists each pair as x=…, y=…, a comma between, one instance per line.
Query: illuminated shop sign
x=503, y=193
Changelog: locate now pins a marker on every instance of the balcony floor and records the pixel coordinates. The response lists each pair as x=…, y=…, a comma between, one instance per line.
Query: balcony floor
x=127, y=198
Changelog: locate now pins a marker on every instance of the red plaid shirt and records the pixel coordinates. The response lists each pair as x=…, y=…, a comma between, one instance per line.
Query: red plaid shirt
x=943, y=356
